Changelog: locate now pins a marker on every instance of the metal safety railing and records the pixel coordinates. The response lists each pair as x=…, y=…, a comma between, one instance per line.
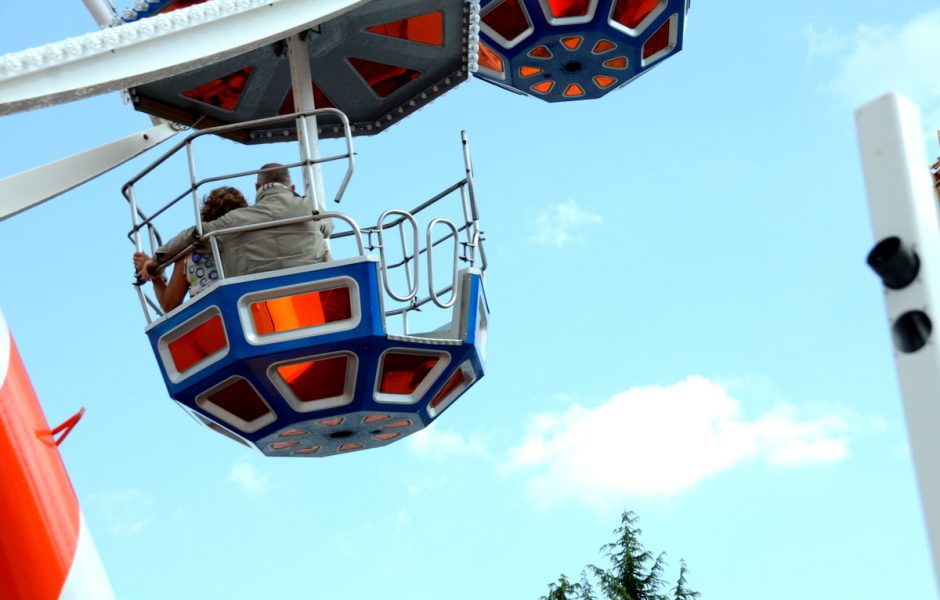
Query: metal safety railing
x=463, y=231
x=467, y=238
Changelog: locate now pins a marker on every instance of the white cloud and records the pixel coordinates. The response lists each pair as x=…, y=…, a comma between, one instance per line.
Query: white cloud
x=824, y=41
x=125, y=512
x=251, y=481
x=876, y=58
x=562, y=223
x=434, y=442
x=661, y=441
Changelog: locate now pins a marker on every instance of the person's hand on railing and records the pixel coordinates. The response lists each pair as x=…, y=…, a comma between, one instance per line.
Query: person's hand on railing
x=145, y=269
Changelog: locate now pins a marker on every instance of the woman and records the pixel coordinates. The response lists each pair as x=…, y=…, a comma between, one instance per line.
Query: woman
x=195, y=271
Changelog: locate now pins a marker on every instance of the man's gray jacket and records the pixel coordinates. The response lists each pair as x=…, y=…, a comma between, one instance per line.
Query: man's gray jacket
x=262, y=249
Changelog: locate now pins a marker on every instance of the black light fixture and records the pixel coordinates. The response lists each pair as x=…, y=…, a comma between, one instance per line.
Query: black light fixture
x=894, y=262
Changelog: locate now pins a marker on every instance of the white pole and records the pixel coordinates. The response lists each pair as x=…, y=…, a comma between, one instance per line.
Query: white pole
x=302, y=82
x=904, y=215
x=101, y=11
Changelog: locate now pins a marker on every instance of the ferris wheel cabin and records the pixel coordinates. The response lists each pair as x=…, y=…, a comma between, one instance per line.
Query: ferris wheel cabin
x=303, y=361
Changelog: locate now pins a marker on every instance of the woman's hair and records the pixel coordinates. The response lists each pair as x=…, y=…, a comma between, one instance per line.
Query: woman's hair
x=219, y=201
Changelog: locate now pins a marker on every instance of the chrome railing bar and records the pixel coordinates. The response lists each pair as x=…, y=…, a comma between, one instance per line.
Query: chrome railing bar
x=193, y=188
x=423, y=250
x=416, y=304
x=466, y=211
x=412, y=290
x=258, y=226
x=456, y=235
x=232, y=126
x=468, y=165
x=404, y=253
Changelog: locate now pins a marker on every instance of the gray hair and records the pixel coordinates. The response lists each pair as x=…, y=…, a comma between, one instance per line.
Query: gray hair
x=281, y=175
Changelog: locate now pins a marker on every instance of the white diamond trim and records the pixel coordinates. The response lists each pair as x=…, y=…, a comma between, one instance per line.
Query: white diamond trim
x=473, y=35
x=119, y=35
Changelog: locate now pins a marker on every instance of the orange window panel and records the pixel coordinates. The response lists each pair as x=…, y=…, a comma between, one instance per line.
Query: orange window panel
x=540, y=52
x=382, y=78
x=319, y=99
x=571, y=42
x=658, y=41
x=604, y=82
x=314, y=380
x=332, y=421
x=283, y=445
x=616, y=63
x=224, y=92
x=603, y=46
x=369, y=420
x=403, y=373
x=424, y=29
x=529, y=71
x=400, y=424
x=452, y=383
x=543, y=87
x=507, y=18
x=386, y=436
x=489, y=59
x=350, y=446
x=307, y=451
x=292, y=433
x=573, y=90
x=632, y=12
x=568, y=8
x=200, y=343
x=240, y=399
x=299, y=311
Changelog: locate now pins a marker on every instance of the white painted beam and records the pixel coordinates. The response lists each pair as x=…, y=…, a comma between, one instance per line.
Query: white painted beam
x=150, y=49
x=903, y=205
x=27, y=189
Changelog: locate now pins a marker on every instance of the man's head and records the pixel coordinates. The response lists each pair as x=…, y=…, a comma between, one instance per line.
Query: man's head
x=274, y=173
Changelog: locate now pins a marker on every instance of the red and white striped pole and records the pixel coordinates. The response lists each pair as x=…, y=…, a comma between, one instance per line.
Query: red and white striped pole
x=46, y=550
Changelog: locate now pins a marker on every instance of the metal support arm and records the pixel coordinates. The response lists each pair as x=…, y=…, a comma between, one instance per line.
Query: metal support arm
x=27, y=189
x=153, y=48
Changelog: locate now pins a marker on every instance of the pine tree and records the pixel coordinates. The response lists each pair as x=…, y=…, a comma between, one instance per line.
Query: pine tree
x=680, y=592
x=634, y=572
x=629, y=578
x=562, y=590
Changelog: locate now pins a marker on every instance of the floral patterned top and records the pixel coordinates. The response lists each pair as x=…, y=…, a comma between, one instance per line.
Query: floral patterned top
x=200, y=272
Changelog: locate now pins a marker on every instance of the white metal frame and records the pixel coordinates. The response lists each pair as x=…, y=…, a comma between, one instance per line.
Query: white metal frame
x=499, y=39
x=469, y=378
x=248, y=323
x=902, y=203
x=642, y=25
x=673, y=22
x=301, y=406
x=163, y=345
x=33, y=187
x=153, y=48
x=430, y=379
x=204, y=402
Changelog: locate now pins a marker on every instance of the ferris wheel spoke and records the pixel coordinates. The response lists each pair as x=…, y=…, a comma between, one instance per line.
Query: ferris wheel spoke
x=150, y=49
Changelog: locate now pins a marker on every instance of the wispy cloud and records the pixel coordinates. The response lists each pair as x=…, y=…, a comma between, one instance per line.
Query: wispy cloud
x=824, y=41
x=437, y=443
x=249, y=479
x=562, y=223
x=661, y=441
x=125, y=512
x=877, y=58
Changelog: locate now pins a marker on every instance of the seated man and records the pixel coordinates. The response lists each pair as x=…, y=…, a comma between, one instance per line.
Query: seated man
x=268, y=249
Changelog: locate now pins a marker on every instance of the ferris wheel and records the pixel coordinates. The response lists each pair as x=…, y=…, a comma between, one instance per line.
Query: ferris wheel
x=293, y=356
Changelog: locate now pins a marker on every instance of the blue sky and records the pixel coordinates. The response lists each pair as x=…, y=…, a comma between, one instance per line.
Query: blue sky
x=682, y=325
